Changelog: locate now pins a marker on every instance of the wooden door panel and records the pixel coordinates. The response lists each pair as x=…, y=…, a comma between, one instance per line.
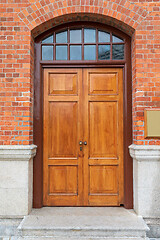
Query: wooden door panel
x=103, y=187
x=103, y=129
x=63, y=83
x=61, y=180
x=63, y=129
x=103, y=83
x=103, y=180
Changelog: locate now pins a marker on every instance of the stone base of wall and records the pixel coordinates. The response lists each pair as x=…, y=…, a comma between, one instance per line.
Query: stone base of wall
x=146, y=180
x=16, y=180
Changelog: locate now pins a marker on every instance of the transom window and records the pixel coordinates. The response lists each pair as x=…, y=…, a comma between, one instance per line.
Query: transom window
x=82, y=44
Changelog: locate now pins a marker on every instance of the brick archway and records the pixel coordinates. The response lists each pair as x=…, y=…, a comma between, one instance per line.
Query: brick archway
x=46, y=14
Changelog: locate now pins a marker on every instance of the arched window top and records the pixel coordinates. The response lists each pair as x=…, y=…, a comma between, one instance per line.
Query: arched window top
x=82, y=44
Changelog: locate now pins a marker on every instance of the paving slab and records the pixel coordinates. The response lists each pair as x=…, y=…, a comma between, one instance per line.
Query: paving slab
x=8, y=226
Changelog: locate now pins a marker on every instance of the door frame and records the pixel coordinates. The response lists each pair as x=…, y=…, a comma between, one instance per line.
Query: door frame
x=38, y=116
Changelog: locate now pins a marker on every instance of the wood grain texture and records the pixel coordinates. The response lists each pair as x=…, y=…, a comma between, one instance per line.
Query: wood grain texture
x=93, y=176
x=62, y=131
x=103, y=180
x=63, y=140
x=62, y=83
x=103, y=129
x=99, y=84
x=61, y=180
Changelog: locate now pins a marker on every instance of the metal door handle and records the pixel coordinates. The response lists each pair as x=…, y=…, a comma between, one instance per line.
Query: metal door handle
x=81, y=143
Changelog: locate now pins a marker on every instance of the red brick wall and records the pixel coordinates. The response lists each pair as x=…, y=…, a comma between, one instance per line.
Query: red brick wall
x=22, y=20
x=146, y=90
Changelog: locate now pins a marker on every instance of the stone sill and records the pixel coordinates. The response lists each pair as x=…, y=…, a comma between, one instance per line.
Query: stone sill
x=145, y=152
x=17, y=152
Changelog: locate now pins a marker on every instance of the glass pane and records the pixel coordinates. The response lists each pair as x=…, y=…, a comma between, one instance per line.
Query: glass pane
x=47, y=52
x=61, y=37
x=117, y=52
x=89, y=35
x=76, y=52
x=90, y=52
x=116, y=39
x=48, y=39
x=75, y=36
x=103, y=36
x=61, y=53
x=104, y=52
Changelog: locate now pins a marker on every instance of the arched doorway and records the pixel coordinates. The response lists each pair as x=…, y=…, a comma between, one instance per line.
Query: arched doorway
x=84, y=70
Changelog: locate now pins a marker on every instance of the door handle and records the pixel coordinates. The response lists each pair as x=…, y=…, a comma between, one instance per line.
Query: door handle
x=81, y=143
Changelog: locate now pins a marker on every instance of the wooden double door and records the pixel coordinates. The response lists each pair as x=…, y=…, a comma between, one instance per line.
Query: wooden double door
x=83, y=137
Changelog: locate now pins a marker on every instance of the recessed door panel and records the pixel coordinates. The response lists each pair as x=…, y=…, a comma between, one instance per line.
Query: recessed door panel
x=103, y=83
x=61, y=180
x=103, y=180
x=63, y=126
x=103, y=129
x=62, y=83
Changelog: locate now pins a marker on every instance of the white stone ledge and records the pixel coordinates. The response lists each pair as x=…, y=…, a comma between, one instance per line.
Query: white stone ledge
x=145, y=152
x=17, y=152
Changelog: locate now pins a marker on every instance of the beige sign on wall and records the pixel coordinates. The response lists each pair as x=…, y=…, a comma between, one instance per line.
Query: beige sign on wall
x=152, y=123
